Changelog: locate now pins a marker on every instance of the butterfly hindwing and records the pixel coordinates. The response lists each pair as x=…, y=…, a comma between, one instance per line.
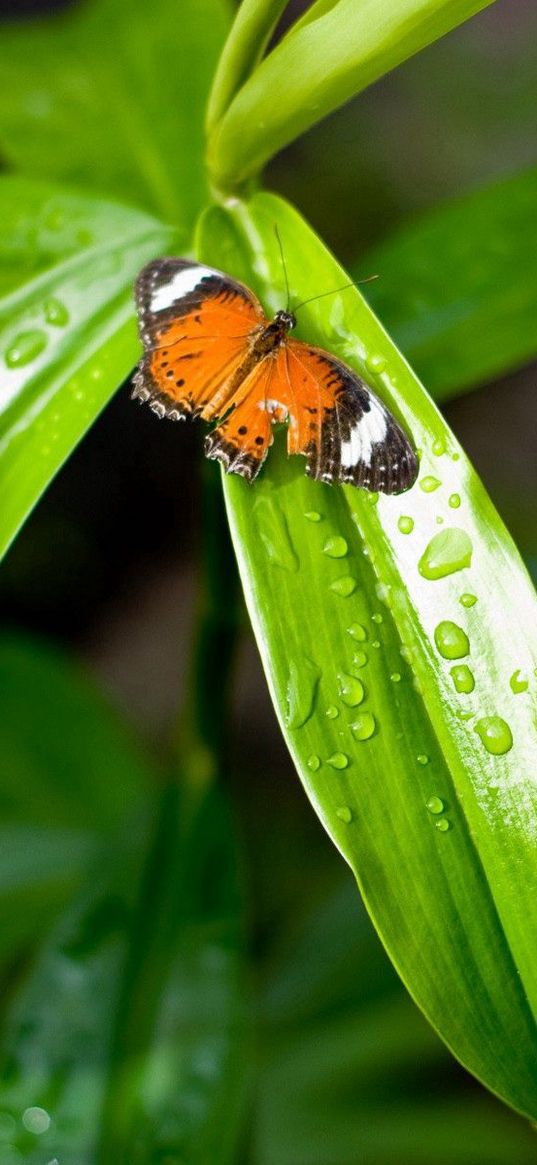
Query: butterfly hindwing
x=195, y=324
x=346, y=433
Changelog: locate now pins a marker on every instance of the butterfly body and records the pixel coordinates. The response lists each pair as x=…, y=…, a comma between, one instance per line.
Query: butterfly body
x=211, y=351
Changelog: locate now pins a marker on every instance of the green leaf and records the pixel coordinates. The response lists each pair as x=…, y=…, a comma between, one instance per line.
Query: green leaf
x=458, y=288
x=318, y=65
x=348, y=1060
x=111, y=95
x=66, y=759
x=129, y=1033
x=67, y=332
x=427, y=787
x=251, y=30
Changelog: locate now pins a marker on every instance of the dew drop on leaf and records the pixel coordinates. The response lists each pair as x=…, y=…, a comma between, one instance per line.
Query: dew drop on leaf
x=422, y=758
x=313, y=516
x=351, y=690
x=439, y=447
x=377, y=617
x=468, y=600
x=344, y=586
x=25, y=348
x=344, y=814
x=375, y=364
x=449, y=551
x=463, y=679
x=405, y=524
x=454, y=501
x=429, y=484
x=435, y=805
x=359, y=659
x=274, y=534
x=357, y=631
x=364, y=726
x=336, y=547
x=451, y=641
x=338, y=760
x=395, y=677
x=314, y=763
x=332, y=712
x=301, y=688
x=517, y=683
x=495, y=734
x=443, y=825
x=56, y=312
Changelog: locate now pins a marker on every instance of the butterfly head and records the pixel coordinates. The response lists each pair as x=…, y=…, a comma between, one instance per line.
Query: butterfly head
x=286, y=320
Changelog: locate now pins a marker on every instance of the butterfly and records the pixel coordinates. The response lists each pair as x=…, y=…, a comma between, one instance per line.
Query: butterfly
x=211, y=351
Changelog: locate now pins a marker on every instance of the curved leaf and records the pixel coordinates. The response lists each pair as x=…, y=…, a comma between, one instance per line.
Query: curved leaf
x=111, y=95
x=458, y=288
x=320, y=64
x=67, y=332
x=398, y=639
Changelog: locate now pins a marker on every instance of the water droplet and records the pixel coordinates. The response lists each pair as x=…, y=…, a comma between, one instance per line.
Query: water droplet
x=351, y=690
x=406, y=524
x=344, y=586
x=429, y=483
x=364, y=726
x=443, y=825
x=301, y=688
x=25, y=348
x=449, y=551
x=376, y=644
x=451, y=641
x=314, y=763
x=274, y=534
x=395, y=677
x=36, y=1120
x=517, y=684
x=375, y=364
x=439, y=447
x=495, y=734
x=377, y=617
x=338, y=760
x=435, y=805
x=332, y=712
x=336, y=547
x=467, y=600
x=422, y=759
x=313, y=516
x=373, y=498
x=56, y=313
x=344, y=814
x=455, y=456
x=439, y=520
x=462, y=677
x=454, y=501
x=359, y=659
x=356, y=631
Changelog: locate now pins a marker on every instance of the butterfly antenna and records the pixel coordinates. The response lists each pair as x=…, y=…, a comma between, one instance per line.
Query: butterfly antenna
x=368, y=279
x=277, y=233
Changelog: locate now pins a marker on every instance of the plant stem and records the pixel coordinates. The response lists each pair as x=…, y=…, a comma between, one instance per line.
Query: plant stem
x=244, y=47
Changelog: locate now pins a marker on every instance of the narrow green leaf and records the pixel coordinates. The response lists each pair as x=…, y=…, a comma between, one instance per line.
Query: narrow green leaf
x=318, y=66
x=111, y=95
x=458, y=288
x=417, y=742
x=67, y=333
x=139, y=953
x=252, y=27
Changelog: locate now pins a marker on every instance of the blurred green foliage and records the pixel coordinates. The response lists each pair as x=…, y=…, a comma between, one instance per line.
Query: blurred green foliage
x=145, y=1011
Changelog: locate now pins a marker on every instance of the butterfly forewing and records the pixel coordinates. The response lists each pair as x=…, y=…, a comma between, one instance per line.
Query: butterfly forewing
x=195, y=324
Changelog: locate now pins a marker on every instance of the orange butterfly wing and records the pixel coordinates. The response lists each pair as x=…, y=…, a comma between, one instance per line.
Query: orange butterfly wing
x=195, y=324
x=346, y=433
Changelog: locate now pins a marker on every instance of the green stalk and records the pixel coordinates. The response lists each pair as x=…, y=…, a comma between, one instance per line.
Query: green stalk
x=244, y=47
